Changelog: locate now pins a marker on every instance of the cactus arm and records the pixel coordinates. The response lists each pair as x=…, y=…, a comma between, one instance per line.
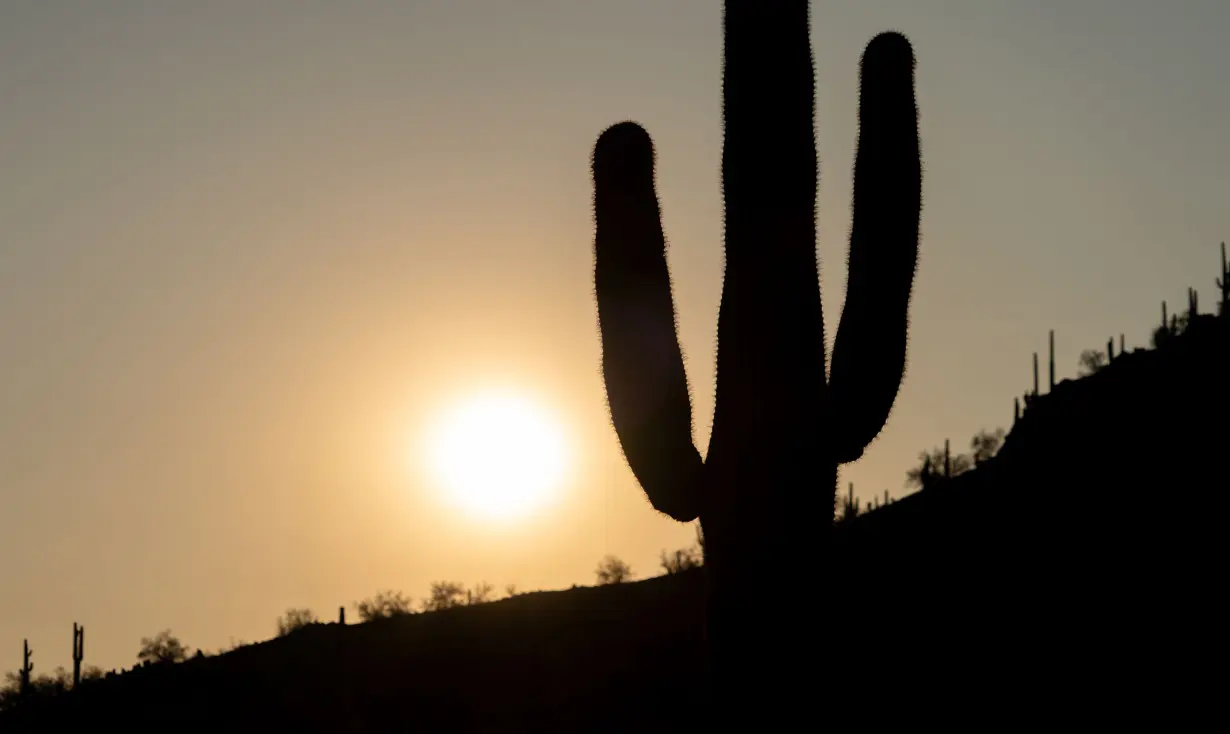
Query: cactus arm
x=642, y=363
x=869, y=353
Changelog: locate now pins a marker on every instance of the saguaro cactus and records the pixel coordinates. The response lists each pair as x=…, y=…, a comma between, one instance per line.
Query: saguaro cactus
x=78, y=652
x=1223, y=283
x=1052, y=351
x=765, y=492
x=27, y=668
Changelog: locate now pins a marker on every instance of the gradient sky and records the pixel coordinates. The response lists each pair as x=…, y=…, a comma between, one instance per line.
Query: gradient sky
x=248, y=250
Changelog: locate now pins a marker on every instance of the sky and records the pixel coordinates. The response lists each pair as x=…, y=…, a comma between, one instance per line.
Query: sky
x=249, y=252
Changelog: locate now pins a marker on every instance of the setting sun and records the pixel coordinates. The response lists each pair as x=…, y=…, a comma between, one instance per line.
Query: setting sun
x=498, y=455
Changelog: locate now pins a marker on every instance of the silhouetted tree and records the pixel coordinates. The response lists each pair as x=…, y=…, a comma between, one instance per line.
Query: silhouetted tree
x=931, y=468
x=60, y=680
x=445, y=595
x=611, y=570
x=681, y=560
x=10, y=692
x=295, y=619
x=383, y=605
x=510, y=590
x=1091, y=361
x=162, y=648
x=480, y=594
x=41, y=687
x=1176, y=326
x=985, y=444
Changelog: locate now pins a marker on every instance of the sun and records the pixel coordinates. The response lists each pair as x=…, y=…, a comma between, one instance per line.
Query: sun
x=498, y=455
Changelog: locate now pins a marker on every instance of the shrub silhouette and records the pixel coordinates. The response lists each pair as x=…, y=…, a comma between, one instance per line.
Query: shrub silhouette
x=611, y=570
x=162, y=648
x=780, y=428
x=934, y=467
x=295, y=619
x=681, y=560
x=985, y=445
x=383, y=605
x=445, y=595
x=1091, y=361
x=480, y=594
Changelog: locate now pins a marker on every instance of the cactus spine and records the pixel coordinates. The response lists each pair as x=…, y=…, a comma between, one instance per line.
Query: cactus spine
x=766, y=489
x=78, y=652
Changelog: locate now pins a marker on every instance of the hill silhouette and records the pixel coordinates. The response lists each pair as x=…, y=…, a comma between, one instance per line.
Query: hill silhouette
x=613, y=658
x=1075, y=574
x=1080, y=565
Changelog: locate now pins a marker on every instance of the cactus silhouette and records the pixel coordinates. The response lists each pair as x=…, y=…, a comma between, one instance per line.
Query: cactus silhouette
x=78, y=652
x=765, y=491
x=1223, y=283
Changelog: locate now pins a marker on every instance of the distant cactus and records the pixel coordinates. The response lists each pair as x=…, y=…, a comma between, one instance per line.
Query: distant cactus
x=1223, y=283
x=78, y=652
x=1052, y=349
x=765, y=492
x=849, y=507
x=1163, y=334
x=27, y=668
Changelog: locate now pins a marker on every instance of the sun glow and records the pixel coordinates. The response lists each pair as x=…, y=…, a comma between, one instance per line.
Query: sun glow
x=498, y=455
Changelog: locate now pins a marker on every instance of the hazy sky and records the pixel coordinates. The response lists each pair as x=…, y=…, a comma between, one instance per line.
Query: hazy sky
x=248, y=251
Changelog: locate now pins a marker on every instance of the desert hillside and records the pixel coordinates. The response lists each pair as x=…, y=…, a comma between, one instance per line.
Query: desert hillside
x=1079, y=567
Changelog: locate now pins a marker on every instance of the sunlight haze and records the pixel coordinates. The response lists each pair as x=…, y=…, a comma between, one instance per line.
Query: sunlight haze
x=251, y=252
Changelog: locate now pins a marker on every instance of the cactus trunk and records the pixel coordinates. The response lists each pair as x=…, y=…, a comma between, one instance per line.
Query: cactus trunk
x=26, y=669
x=78, y=652
x=766, y=490
x=1052, y=369
x=1224, y=283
